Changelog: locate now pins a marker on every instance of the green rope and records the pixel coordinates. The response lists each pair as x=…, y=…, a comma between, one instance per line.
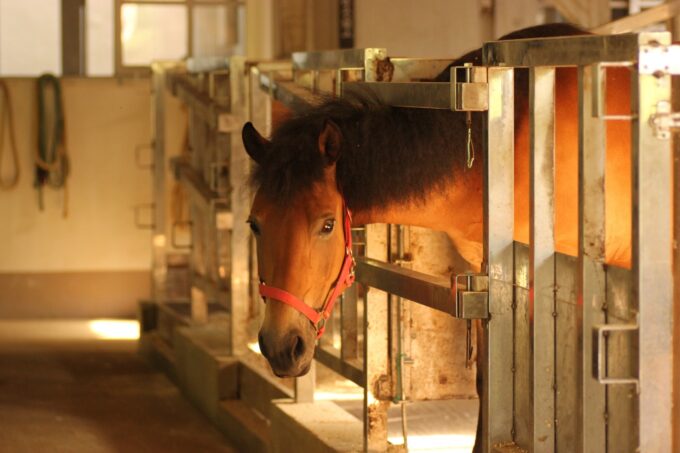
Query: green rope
x=52, y=165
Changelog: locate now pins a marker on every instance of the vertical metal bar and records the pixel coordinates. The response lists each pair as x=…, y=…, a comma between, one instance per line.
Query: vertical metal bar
x=349, y=324
x=239, y=168
x=159, y=234
x=676, y=262
x=496, y=400
x=652, y=252
x=592, y=146
x=376, y=350
x=542, y=252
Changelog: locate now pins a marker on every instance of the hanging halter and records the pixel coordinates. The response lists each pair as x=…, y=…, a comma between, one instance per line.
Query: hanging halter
x=345, y=279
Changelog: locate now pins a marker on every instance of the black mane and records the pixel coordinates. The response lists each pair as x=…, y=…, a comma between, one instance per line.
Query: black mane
x=388, y=154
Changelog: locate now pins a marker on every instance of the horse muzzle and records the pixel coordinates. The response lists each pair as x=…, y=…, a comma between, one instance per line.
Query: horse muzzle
x=290, y=355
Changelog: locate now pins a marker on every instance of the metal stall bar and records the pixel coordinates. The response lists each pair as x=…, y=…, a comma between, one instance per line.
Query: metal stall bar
x=561, y=51
x=652, y=250
x=592, y=277
x=542, y=253
x=377, y=381
x=429, y=290
x=288, y=92
x=366, y=59
x=239, y=164
x=497, y=405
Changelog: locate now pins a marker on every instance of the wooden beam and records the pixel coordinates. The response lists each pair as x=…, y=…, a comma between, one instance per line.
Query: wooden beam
x=647, y=17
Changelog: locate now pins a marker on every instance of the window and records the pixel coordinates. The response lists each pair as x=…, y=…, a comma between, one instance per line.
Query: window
x=108, y=37
x=172, y=30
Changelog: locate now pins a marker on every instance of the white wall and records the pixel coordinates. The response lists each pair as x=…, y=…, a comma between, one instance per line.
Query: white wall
x=105, y=119
x=424, y=28
x=30, y=37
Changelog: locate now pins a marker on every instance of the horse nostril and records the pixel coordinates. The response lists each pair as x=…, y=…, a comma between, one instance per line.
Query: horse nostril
x=297, y=347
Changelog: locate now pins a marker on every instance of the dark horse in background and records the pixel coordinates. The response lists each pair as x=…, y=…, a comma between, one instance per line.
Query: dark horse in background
x=405, y=166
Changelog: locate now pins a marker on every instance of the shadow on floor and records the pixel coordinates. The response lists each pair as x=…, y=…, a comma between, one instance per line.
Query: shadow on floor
x=94, y=396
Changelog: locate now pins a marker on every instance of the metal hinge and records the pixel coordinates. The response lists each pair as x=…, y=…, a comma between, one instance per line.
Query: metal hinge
x=664, y=120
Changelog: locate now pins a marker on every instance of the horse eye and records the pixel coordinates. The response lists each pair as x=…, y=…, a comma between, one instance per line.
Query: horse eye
x=254, y=227
x=327, y=227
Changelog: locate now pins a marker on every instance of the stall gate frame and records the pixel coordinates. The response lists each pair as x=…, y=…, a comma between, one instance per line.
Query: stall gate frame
x=637, y=303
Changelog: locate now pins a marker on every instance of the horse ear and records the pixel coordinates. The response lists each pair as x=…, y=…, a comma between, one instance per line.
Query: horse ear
x=256, y=145
x=330, y=141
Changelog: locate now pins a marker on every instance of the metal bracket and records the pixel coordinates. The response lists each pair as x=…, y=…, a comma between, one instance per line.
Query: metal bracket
x=138, y=209
x=664, y=120
x=173, y=235
x=659, y=59
x=600, y=351
x=469, y=89
x=472, y=296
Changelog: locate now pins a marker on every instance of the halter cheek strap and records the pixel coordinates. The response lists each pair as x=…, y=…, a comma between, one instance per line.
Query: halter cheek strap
x=345, y=279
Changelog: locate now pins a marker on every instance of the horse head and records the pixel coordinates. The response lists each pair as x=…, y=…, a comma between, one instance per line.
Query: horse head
x=301, y=224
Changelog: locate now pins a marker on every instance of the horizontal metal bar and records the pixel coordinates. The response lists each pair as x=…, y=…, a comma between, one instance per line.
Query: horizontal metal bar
x=198, y=188
x=214, y=292
x=205, y=64
x=426, y=95
x=289, y=93
x=429, y=290
x=352, y=369
x=566, y=51
x=201, y=103
x=336, y=59
x=413, y=69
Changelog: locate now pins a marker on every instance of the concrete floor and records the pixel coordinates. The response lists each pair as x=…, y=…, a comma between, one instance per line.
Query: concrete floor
x=84, y=394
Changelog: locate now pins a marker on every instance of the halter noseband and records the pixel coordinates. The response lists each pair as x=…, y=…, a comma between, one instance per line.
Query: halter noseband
x=345, y=279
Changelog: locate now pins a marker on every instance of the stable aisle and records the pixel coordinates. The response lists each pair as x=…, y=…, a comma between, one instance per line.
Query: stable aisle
x=89, y=395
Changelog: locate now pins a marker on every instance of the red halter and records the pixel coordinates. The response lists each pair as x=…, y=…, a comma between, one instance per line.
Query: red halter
x=345, y=279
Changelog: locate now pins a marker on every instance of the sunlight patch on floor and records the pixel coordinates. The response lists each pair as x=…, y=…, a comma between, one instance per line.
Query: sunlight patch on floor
x=453, y=443
x=58, y=330
x=114, y=329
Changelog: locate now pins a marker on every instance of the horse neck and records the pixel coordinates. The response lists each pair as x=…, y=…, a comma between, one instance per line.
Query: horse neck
x=455, y=208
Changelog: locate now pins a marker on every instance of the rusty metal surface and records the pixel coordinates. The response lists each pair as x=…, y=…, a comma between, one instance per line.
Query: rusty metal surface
x=622, y=361
x=567, y=353
x=592, y=282
x=436, y=342
x=377, y=386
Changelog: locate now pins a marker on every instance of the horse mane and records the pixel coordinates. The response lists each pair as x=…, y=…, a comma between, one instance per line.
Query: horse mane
x=388, y=154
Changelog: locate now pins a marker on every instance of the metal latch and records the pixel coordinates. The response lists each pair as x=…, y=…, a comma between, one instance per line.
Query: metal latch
x=472, y=296
x=469, y=89
x=472, y=302
x=664, y=120
x=600, y=332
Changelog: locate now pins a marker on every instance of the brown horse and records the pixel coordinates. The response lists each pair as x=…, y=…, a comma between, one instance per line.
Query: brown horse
x=405, y=166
